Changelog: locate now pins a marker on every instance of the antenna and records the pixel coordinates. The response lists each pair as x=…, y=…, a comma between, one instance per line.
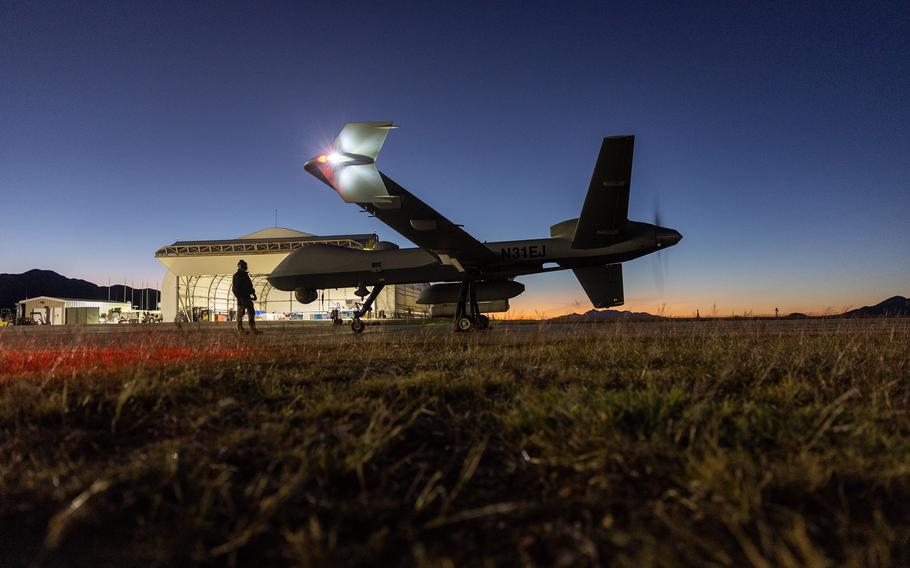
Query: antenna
x=276, y=217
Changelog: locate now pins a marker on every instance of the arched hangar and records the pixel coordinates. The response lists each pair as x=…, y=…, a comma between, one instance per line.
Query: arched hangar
x=197, y=284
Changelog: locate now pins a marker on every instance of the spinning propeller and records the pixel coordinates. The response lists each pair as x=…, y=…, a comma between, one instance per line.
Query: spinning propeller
x=660, y=263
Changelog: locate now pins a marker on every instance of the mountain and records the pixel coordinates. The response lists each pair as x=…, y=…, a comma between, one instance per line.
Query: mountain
x=603, y=315
x=894, y=306
x=15, y=287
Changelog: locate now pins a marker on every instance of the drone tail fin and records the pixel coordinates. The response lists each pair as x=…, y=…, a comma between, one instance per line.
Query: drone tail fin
x=605, y=212
x=602, y=284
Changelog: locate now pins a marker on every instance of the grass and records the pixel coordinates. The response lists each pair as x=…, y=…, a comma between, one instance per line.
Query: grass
x=623, y=444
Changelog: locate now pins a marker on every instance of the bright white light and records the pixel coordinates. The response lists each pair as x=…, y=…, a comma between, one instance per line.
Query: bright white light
x=337, y=159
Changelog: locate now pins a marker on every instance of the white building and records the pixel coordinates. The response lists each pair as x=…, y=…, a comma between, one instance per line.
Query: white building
x=197, y=284
x=60, y=311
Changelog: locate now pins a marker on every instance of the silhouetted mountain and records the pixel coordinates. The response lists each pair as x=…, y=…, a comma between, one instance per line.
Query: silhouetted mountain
x=894, y=306
x=15, y=287
x=600, y=315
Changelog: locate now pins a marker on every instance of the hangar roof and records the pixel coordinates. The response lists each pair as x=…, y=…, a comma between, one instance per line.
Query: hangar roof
x=260, y=245
x=262, y=253
x=73, y=300
x=364, y=239
x=275, y=232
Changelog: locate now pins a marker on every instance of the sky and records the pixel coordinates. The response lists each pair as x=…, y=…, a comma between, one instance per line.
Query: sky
x=774, y=136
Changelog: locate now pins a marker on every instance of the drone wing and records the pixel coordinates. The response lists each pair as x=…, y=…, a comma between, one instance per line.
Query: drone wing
x=350, y=169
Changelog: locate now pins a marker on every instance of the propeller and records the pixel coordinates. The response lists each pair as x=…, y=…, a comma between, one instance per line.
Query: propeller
x=659, y=265
x=657, y=211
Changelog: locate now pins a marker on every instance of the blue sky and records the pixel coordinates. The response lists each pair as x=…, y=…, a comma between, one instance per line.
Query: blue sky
x=775, y=136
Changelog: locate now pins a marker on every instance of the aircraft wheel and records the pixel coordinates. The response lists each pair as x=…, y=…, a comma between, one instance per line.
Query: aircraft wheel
x=357, y=325
x=464, y=324
x=483, y=322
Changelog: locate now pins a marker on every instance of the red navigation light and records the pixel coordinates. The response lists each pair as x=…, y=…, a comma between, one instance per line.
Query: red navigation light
x=322, y=159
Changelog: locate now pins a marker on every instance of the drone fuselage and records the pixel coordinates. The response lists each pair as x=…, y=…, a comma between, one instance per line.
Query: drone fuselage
x=328, y=266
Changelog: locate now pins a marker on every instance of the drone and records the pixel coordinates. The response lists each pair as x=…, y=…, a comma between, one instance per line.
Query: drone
x=477, y=277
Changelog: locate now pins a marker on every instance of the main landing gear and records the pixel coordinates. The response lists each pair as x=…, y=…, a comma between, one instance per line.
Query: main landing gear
x=467, y=312
x=357, y=326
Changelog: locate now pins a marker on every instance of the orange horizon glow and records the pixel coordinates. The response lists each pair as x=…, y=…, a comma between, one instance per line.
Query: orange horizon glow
x=527, y=308
x=514, y=314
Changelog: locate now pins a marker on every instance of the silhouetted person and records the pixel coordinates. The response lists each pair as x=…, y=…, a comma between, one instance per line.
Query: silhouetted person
x=242, y=287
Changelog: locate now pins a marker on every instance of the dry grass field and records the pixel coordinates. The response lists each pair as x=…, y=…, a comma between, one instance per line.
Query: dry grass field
x=672, y=443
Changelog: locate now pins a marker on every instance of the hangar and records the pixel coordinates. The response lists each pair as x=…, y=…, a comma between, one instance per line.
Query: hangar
x=49, y=310
x=197, y=284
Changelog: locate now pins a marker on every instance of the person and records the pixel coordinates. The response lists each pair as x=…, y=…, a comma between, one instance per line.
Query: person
x=243, y=290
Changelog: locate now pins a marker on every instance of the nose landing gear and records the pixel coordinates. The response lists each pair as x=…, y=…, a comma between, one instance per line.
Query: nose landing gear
x=357, y=326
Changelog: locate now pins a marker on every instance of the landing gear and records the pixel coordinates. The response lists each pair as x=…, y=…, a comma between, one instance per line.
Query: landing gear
x=467, y=312
x=357, y=326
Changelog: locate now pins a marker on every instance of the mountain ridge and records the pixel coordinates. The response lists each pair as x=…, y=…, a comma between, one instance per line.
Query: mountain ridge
x=598, y=315
x=893, y=306
x=38, y=282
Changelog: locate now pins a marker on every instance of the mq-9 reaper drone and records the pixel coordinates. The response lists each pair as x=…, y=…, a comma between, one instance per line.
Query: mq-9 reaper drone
x=467, y=272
